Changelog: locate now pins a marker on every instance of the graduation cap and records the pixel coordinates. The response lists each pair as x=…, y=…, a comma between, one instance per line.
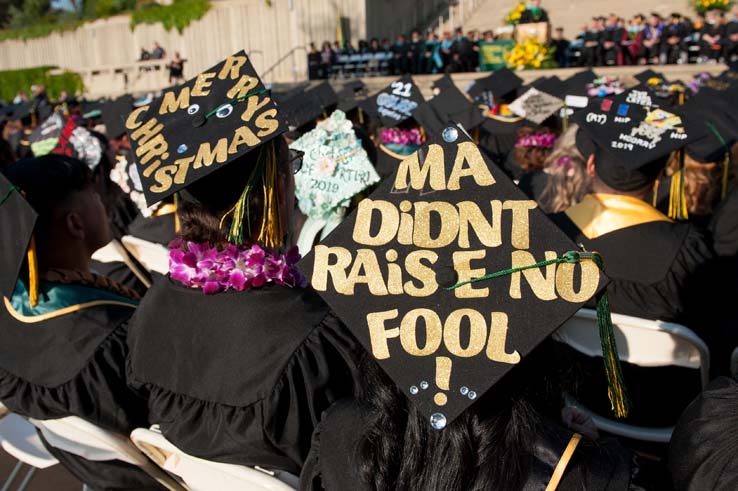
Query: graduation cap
x=576, y=85
x=22, y=111
x=114, y=114
x=396, y=103
x=499, y=83
x=536, y=106
x=299, y=110
x=406, y=274
x=450, y=104
x=46, y=135
x=92, y=109
x=201, y=126
x=325, y=95
x=553, y=86
x=17, y=218
x=648, y=74
x=631, y=153
x=79, y=143
x=335, y=168
x=720, y=136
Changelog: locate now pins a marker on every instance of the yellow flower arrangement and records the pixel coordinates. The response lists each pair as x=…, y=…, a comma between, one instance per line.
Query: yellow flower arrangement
x=513, y=17
x=702, y=6
x=530, y=54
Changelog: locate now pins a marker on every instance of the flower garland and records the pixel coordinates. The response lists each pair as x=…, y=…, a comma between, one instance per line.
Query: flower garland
x=540, y=140
x=214, y=270
x=530, y=54
x=412, y=136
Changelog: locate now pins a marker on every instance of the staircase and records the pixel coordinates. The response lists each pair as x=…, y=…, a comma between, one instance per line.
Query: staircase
x=569, y=14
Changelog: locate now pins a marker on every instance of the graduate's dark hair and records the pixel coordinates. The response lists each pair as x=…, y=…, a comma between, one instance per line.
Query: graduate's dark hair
x=489, y=446
x=205, y=202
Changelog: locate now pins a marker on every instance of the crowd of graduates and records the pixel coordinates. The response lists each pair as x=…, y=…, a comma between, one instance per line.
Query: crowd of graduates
x=605, y=41
x=151, y=275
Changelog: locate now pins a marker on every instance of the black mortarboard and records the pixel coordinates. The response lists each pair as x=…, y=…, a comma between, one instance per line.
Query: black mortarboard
x=354, y=85
x=395, y=103
x=325, y=95
x=450, y=104
x=500, y=83
x=631, y=154
x=390, y=269
x=299, y=110
x=577, y=83
x=648, y=74
x=536, y=106
x=92, y=109
x=553, y=86
x=201, y=125
x=720, y=134
x=22, y=111
x=114, y=114
x=347, y=100
x=17, y=219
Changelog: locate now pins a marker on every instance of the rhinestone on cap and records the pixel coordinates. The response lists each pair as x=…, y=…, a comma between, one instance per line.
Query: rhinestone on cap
x=464, y=390
x=450, y=134
x=424, y=385
x=182, y=148
x=438, y=421
x=413, y=390
x=472, y=395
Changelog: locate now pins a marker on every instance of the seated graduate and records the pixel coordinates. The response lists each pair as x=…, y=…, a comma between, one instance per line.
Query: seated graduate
x=236, y=356
x=658, y=267
x=459, y=387
x=64, y=328
x=702, y=449
x=652, y=260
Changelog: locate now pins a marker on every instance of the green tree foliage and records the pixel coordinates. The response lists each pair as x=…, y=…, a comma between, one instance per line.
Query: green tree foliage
x=14, y=81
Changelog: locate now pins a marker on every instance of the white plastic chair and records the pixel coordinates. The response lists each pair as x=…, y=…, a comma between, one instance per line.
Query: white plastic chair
x=205, y=475
x=19, y=439
x=79, y=437
x=640, y=342
x=153, y=256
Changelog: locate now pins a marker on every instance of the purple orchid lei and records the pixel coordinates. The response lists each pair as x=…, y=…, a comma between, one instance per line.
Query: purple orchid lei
x=402, y=137
x=199, y=265
x=543, y=140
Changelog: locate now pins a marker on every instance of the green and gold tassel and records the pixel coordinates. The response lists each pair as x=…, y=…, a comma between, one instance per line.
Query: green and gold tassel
x=616, y=389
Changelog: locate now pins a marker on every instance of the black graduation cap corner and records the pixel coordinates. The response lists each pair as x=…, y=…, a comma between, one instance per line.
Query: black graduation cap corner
x=200, y=126
x=18, y=219
x=406, y=274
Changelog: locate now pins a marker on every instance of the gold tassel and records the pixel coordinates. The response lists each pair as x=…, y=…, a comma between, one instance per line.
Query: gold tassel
x=654, y=199
x=422, y=134
x=677, y=201
x=565, y=120
x=361, y=117
x=476, y=135
x=271, y=234
x=177, y=223
x=32, y=257
x=726, y=168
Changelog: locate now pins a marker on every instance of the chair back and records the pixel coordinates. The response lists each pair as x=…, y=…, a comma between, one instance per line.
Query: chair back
x=19, y=438
x=204, y=475
x=640, y=342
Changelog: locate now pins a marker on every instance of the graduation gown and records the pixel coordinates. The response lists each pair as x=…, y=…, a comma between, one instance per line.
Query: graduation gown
x=498, y=136
x=70, y=361
x=239, y=377
x=702, y=450
x=658, y=270
x=533, y=184
x=332, y=464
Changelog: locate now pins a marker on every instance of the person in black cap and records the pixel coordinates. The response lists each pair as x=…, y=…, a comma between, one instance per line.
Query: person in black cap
x=533, y=13
x=237, y=358
x=459, y=387
x=658, y=266
x=63, y=328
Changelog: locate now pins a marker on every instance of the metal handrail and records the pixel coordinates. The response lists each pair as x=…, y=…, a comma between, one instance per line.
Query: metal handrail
x=290, y=53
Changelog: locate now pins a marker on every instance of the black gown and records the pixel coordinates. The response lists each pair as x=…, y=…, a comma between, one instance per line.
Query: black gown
x=239, y=377
x=498, y=136
x=702, y=452
x=533, y=184
x=659, y=270
x=332, y=463
x=73, y=364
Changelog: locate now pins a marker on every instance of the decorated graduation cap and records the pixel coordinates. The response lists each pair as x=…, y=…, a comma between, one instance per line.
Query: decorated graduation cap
x=79, y=143
x=201, y=126
x=46, y=135
x=448, y=275
x=17, y=218
x=450, y=104
x=633, y=149
x=499, y=84
x=396, y=103
x=536, y=106
x=335, y=169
